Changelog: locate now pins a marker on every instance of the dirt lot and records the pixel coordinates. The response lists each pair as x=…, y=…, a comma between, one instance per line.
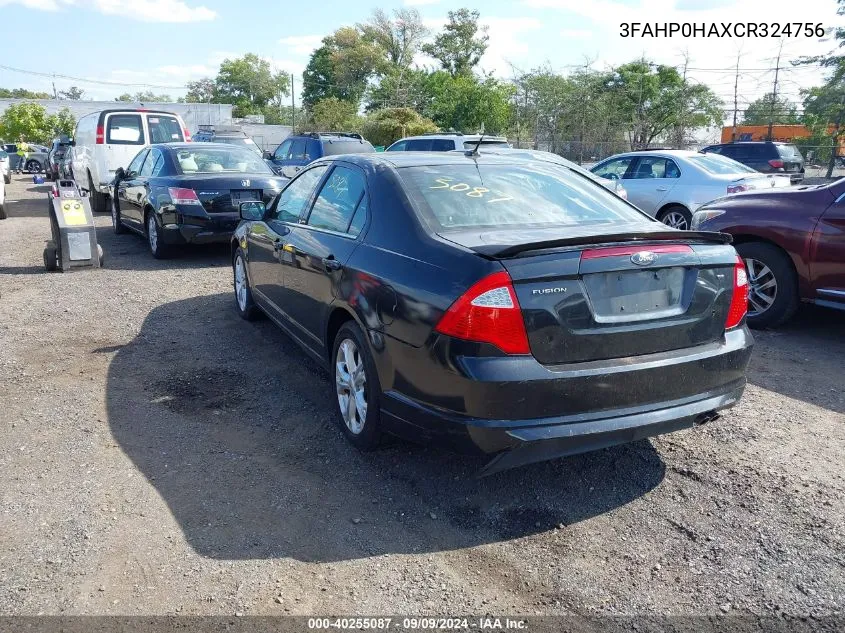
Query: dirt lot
x=161, y=456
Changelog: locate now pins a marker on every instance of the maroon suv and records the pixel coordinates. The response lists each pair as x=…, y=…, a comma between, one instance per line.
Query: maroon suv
x=793, y=244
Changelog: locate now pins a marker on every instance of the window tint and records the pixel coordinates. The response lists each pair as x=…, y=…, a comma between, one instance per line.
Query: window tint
x=616, y=168
x=360, y=217
x=442, y=145
x=158, y=166
x=656, y=167
x=338, y=199
x=789, y=152
x=472, y=144
x=715, y=164
x=295, y=196
x=136, y=163
x=352, y=146
x=125, y=129
x=149, y=162
x=297, y=151
x=398, y=147
x=283, y=150
x=207, y=159
x=419, y=145
x=164, y=129
x=455, y=197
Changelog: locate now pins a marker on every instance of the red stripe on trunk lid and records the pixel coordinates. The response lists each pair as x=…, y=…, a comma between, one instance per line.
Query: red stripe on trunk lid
x=617, y=251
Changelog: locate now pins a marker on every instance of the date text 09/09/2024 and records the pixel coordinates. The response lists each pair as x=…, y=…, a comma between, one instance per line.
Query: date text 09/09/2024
x=418, y=623
x=722, y=29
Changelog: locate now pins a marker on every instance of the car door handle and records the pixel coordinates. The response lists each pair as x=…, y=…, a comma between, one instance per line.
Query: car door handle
x=331, y=264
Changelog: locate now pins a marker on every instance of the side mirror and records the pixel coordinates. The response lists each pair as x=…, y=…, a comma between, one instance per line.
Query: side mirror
x=267, y=155
x=119, y=173
x=289, y=171
x=253, y=210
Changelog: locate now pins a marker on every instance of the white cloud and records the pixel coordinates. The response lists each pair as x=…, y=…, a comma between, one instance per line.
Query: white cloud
x=142, y=10
x=580, y=34
x=419, y=3
x=505, y=45
x=302, y=44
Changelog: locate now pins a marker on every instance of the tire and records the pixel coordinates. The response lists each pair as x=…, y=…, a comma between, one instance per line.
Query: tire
x=3, y=215
x=152, y=231
x=784, y=301
x=33, y=166
x=116, y=224
x=51, y=261
x=7, y=178
x=351, y=345
x=676, y=216
x=98, y=200
x=247, y=309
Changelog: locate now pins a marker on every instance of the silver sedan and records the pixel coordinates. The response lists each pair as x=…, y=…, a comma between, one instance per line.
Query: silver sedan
x=671, y=184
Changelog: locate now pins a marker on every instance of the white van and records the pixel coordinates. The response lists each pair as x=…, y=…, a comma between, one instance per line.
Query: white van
x=109, y=139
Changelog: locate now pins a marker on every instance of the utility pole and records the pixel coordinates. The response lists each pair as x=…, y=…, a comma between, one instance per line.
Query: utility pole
x=680, y=127
x=774, y=94
x=55, y=94
x=292, y=107
x=736, y=97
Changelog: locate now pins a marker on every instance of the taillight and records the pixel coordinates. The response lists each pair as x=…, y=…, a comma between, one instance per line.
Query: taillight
x=183, y=196
x=101, y=135
x=777, y=164
x=737, y=188
x=187, y=135
x=488, y=313
x=739, y=299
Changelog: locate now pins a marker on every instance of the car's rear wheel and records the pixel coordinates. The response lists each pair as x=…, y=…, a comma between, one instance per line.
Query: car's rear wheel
x=33, y=166
x=676, y=216
x=98, y=200
x=243, y=294
x=772, y=284
x=158, y=248
x=7, y=178
x=3, y=215
x=116, y=223
x=357, y=387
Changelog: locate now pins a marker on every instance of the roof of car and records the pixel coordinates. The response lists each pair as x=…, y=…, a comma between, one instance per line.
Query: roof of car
x=190, y=145
x=454, y=135
x=420, y=159
x=679, y=153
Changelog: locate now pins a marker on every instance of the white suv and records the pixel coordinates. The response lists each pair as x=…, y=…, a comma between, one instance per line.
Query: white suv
x=109, y=139
x=445, y=142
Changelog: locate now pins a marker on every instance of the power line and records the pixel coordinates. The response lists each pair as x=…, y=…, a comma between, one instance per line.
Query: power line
x=90, y=81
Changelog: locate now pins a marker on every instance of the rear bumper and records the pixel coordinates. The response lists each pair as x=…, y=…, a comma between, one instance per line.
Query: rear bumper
x=528, y=412
x=174, y=234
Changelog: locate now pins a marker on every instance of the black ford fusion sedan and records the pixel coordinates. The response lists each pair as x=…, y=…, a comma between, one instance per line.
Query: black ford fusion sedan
x=495, y=304
x=188, y=193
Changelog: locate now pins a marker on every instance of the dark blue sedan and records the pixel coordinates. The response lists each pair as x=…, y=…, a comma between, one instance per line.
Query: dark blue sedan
x=188, y=193
x=495, y=304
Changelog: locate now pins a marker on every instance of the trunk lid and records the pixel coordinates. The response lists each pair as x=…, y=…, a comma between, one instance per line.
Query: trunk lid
x=589, y=298
x=220, y=194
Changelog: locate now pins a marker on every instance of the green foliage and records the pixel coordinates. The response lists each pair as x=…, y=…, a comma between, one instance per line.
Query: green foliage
x=461, y=44
x=400, y=38
x=383, y=127
x=31, y=122
x=249, y=84
x=23, y=93
x=147, y=96
x=200, y=91
x=73, y=93
x=769, y=107
x=466, y=103
x=320, y=80
x=334, y=115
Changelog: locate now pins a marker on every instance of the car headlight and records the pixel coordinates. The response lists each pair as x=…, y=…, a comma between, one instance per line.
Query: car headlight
x=700, y=217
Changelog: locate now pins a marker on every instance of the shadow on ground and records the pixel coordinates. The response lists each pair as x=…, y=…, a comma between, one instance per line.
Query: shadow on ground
x=234, y=427
x=803, y=359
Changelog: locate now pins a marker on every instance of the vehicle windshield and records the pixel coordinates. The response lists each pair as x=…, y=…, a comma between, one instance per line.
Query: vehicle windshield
x=352, y=146
x=469, y=196
x=209, y=160
x=720, y=165
x=3, y=155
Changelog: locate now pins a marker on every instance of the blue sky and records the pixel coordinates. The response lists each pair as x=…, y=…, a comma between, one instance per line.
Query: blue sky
x=169, y=42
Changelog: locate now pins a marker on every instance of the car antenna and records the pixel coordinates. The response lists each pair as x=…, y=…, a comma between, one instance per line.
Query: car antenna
x=474, y=150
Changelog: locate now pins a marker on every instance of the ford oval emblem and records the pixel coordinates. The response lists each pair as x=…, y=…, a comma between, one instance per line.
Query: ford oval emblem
x=644, y=258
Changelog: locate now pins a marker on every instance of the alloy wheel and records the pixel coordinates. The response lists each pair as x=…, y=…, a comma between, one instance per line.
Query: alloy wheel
x=763, y=287
x=152, y=232
x=240, y=282
x=351, y=382
x=114, y=219
x=676, y=220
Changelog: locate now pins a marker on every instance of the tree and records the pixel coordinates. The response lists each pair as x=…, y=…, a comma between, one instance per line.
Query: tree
x=401, y=38
x=461, y=44
x=200, y=91
x=769, y=107
x=824, y=114
x=341, y=67
x=383, y=127
x=249, y=84
x=26, y=120
x=73, y=93
x=62, y=123
x=335, y=115
x=466, y=103
x=22, y=93
x=653, y=99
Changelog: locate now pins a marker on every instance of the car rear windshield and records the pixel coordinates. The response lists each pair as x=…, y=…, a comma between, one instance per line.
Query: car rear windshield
x=720, y=165
x=240, y=141
x=789, y=152
x=352, y=146
x=209, y=160
x=454, y=197
x=164, y=129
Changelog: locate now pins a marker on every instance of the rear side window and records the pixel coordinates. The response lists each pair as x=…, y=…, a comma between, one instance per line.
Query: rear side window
x=125, y=129
x=442, y=145
x=455, y=197
x=353, y=146
x=297, y=151
x=398, y=147
x=789, y=152
x=282, y=151
x=135, y=165
x=149, y=163
x=472, y=144
x=164, y=129
x=419, y=145
x=715, y=164
x=338, y=200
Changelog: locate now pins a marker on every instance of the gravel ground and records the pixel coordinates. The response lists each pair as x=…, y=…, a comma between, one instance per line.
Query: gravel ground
x=161, y=456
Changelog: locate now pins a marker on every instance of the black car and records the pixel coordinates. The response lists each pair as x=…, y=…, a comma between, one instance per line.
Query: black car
x=298, y=150
x=765, y=156
x=495, y=304
x=180, y=193
x=58, y=148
